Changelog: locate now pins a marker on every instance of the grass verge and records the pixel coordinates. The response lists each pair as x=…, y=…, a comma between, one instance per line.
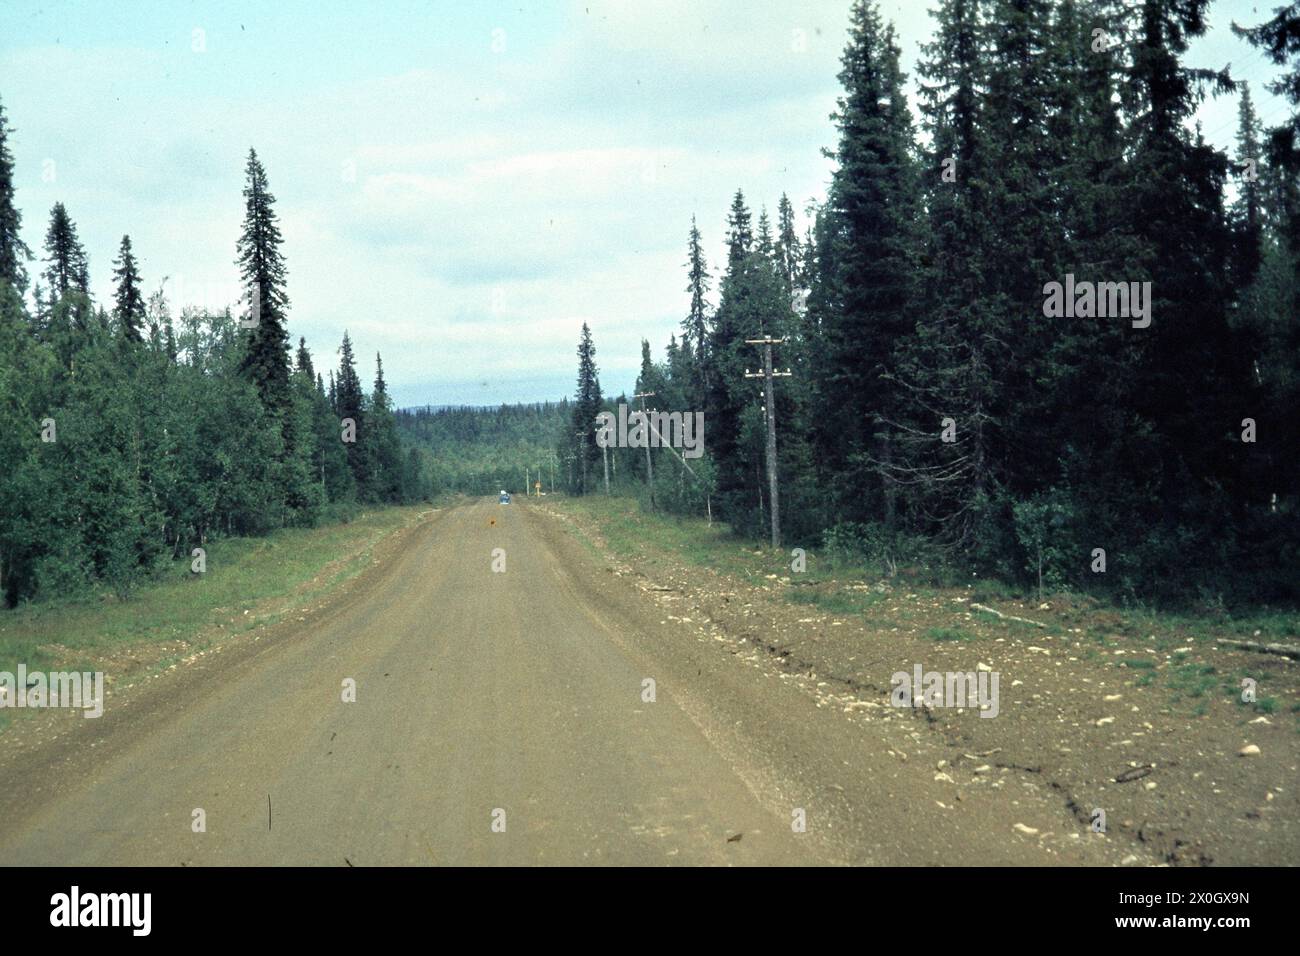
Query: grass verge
x=648, y=541
x=248, y=582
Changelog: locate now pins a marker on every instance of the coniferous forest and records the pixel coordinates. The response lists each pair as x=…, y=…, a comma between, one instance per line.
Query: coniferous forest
x=474, y=450
x=940, y=408
x=131, y=435
x=829, y=433
x=938, y=411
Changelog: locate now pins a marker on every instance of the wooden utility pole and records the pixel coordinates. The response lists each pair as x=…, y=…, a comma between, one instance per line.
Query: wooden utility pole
x=769, y=408
x=649, y=468
x=582, y=455
x=604, y=455
x=663, y=443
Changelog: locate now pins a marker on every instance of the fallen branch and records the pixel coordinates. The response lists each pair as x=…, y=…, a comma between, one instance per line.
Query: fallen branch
x=1283, y=650
x=1007, y=617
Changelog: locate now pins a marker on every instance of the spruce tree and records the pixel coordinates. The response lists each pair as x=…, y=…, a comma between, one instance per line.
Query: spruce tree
x=787, y=245
x=740, y=233
x=129, y=307
x=382, y=446
x=349, y=403
x=680, y=371
x=868, y=267
x=763, y=241
x=13, y=251
x=1194, y=368
x=586, y=406
x=940, y=369
x=303, y=361
x=1279, y=38
x=1249, y=167
x=262, y=269
x=695, y=327
x=1020, y=174
x=1274, y=299
x=752, y=303
x=67, y=268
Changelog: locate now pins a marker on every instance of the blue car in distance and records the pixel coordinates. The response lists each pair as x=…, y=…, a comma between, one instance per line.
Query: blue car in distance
x=505, y=498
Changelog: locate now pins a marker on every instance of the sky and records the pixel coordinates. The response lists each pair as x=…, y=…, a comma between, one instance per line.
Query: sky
x=460, y=185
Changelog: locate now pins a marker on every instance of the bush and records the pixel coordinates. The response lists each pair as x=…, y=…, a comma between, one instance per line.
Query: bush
x=875, y=546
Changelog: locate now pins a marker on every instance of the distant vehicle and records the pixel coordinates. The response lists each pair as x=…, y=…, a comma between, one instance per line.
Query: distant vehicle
x=505, y=497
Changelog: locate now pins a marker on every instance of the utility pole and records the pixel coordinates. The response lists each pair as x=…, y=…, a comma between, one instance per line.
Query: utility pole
x=663, y=443
x=769, y=407
x=649, y=468
x=604, y=456
x=582, y=457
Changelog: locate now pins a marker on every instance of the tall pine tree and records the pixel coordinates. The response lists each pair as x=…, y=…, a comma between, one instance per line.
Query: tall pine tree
x=349, y=404
x=129, y=307
x=13, y=251
x=586, y=406
x=262, y=269
x=67, y=268
x=869, y=265
x=787, y=245
x=695, y=327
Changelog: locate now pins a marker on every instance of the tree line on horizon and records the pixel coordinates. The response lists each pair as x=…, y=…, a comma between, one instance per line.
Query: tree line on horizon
x=480, y=450
x=936, y=412
x=130, y=436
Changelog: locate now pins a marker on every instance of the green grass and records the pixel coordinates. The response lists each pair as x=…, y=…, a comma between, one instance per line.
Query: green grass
x=993, y=592
x=633, y=535
x=836, y=602
x=241, y=573
x=947, y=634
x=648, y=540
x=1192, y=680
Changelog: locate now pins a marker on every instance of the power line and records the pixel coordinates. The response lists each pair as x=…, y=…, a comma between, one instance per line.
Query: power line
x=649, y=468
x=769, y=408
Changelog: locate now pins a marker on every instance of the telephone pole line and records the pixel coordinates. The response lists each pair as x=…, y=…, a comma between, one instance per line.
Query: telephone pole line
x=581, y=452
x=769, y=407
x=649, y=468
x=604, y=455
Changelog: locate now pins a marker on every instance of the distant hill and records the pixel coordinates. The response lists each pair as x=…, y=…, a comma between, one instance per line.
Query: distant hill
x=478, y=450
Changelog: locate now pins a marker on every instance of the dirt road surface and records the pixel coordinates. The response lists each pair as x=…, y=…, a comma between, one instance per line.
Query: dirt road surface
x=501, y=717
